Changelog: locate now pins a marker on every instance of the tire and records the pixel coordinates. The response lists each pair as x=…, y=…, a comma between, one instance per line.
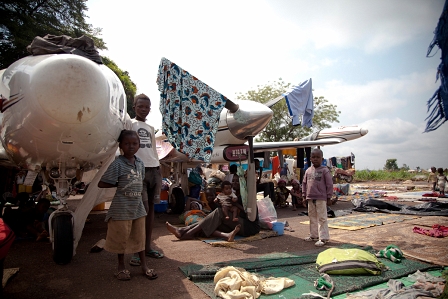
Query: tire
x=62, y=227
x=349, y=179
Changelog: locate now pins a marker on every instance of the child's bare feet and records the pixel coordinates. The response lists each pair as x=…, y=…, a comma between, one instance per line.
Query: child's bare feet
x=227, y=218
x=235, y=219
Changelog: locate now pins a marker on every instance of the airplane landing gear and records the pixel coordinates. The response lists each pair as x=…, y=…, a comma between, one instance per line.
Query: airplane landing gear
x=61, y=221
x=61, y=232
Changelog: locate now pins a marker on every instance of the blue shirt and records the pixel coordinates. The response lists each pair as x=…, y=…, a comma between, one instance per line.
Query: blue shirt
x=127, y=203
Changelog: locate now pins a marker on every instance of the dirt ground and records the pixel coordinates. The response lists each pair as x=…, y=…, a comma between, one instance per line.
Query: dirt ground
x=90, y=275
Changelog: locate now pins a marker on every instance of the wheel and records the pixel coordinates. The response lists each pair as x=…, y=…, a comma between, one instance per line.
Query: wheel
x=62, y=227
x=349, y=178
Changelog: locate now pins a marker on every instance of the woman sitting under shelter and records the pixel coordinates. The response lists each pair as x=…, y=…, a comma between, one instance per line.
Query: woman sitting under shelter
x=215, y=224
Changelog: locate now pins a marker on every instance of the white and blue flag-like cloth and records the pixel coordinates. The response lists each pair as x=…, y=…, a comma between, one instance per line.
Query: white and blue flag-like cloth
x=300, y=103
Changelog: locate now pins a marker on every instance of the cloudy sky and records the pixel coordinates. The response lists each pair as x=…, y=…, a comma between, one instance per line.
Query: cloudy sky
x=366, y=57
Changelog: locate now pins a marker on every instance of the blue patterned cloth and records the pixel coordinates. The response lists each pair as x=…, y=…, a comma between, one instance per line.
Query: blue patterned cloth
x=190, y=111
x=438, y=103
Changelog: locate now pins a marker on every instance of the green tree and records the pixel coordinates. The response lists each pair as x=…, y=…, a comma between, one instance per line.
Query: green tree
x=129, y=87
x=405, y=167
x=280, y=128
x=22, y=20
x=391, y=164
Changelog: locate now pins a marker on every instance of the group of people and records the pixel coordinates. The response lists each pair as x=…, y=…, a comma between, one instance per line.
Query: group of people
x=136, y=175
x=438, y=179
x=316, y=194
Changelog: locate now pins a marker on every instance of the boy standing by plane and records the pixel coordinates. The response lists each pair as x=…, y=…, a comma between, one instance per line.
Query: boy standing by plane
x=317, y=189
x=152, y=182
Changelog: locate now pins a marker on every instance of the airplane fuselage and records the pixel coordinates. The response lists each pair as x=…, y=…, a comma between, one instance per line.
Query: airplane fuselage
x=60, y=108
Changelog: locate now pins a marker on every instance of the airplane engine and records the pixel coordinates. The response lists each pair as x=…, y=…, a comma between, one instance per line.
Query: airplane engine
x=249, y=120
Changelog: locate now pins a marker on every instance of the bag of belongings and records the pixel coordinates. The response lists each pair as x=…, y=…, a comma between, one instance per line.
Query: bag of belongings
x=348, y=261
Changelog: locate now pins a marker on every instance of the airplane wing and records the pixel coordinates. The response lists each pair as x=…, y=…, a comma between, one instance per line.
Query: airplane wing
x=320, y=138
x=281, y=145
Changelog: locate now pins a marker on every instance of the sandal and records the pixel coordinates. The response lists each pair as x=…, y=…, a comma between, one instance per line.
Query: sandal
x=154, y=254
x=135, y=261
x=123, y=275
x=320, y=243
x=309, y=239
x=150, y=274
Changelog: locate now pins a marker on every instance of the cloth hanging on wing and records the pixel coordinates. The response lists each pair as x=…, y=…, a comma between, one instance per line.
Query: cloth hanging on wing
x=243, y=186
x=300, y=102
x=438, y=103
x=190, y=111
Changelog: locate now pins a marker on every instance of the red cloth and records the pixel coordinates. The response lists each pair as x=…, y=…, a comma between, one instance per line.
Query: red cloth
x=432, y=194
x=275, y=165
x=437, y=231
x=6, y=238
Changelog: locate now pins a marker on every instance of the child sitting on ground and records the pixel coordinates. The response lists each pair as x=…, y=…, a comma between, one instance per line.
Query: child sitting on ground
x=296, y=194
x=227, y=199
x=281, y=194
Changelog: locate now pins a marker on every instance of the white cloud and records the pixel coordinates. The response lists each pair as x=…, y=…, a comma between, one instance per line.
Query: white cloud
x=384, y=98
x=395, y=139
x=234, y=46
x=369, y=25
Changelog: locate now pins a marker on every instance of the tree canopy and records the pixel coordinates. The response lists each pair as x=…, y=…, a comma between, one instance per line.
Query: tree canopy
x=280, y=128
x=391, y=164
x=23, y=20
x=129, y=86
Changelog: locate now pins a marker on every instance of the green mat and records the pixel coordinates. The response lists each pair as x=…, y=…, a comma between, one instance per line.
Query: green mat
x=301, y=269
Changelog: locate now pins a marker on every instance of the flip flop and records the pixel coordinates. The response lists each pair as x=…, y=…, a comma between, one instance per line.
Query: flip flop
x=135, y=261
x=150, y=274
x=154, y=254
x=123, y=275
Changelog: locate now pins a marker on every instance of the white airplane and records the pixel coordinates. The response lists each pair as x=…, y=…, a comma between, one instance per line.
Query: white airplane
x=62, y=115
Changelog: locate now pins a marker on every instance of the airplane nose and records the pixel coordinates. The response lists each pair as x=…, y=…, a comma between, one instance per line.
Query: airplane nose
x=70, y=90
x=249, y=120
x=364, y=131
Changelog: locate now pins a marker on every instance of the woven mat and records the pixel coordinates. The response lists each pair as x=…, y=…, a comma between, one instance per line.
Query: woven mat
x=359, y=195
x=301, y=269
x=7, y=274
x=365, y=220
x=263, y=234
x=417, y=246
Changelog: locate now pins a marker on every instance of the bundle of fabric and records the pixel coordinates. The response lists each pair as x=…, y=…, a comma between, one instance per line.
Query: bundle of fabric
x=391, y=252
x=437, y=231
x=191, y=217
x=232, y=283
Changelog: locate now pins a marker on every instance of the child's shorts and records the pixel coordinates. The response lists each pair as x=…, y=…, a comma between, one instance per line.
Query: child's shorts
x=125, y=236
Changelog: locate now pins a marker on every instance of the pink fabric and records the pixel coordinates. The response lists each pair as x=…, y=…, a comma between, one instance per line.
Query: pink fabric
x=437, y=231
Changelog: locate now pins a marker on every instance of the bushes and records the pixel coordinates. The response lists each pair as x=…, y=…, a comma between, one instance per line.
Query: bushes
x=382, y=175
